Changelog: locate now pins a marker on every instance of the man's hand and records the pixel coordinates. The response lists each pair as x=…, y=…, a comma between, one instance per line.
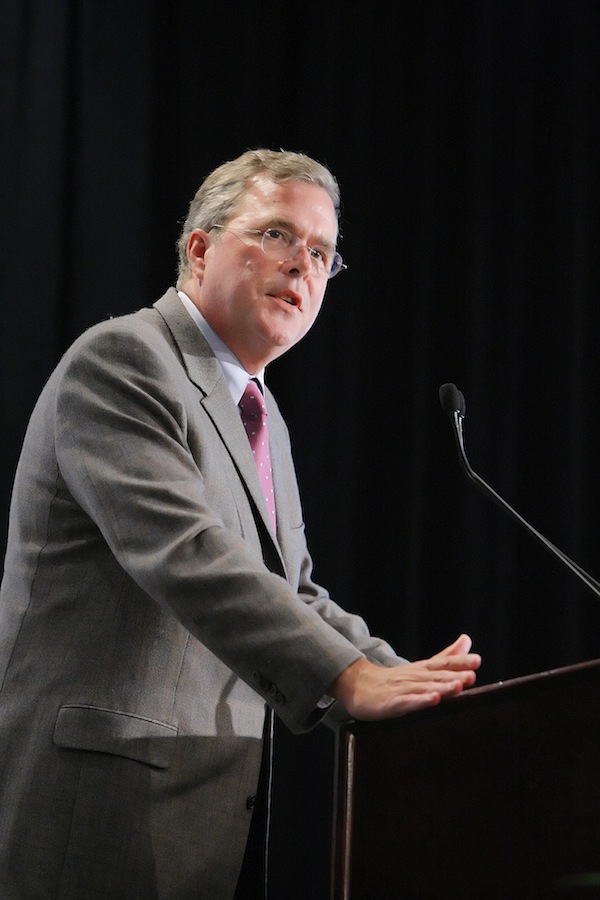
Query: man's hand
x=371, y=691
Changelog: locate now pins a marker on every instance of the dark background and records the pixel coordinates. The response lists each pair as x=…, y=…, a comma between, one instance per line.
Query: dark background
x=465, y=139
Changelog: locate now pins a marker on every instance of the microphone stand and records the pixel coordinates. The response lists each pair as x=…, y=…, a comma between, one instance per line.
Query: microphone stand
x=453, y=404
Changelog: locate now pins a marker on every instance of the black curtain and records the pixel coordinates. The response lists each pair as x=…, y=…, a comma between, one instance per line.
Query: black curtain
x=465, y=138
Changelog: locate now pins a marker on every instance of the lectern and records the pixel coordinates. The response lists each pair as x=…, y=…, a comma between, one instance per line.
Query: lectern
x=492, y=795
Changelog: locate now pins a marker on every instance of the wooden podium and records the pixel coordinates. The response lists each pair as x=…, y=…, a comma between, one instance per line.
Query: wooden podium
x=493, y=795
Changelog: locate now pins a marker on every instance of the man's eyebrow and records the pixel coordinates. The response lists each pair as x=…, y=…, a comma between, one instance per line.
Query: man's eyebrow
x=290, y=226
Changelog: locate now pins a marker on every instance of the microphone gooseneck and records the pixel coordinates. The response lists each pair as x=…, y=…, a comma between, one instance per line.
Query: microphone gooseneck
x=453, y=404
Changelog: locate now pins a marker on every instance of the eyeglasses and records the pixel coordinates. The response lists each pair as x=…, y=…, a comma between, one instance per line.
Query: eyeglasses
x=276, y=243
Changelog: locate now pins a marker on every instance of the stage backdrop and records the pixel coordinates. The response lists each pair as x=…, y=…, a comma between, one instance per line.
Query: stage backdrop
x=465, y=139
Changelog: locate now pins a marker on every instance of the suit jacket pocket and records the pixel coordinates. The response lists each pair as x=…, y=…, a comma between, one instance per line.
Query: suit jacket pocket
x=80, y=727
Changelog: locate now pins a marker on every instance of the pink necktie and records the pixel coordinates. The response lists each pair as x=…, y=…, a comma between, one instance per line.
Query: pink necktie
x=254, y=420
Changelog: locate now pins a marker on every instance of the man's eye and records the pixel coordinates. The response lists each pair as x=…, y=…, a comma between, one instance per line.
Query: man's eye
x=319, y=253
x=275, y=234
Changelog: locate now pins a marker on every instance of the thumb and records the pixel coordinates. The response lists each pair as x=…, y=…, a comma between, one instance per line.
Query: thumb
x=462, y=644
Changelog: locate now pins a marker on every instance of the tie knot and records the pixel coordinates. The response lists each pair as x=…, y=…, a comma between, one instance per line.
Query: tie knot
x=252, y=403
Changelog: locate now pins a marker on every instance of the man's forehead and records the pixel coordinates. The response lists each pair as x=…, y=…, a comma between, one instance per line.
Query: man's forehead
x=295, y=202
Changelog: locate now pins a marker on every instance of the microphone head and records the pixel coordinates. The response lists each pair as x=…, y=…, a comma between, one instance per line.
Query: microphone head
x=452, y=400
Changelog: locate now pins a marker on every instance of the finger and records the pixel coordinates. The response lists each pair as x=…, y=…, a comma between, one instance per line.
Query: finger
x=399, y=705
x=460, y=646
x=420, y=699
x=462, y=643
x=470, y=661
x=445, y=676
x=422, y=679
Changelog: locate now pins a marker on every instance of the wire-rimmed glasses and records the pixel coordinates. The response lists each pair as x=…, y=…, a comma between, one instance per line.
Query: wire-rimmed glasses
x=279, y=244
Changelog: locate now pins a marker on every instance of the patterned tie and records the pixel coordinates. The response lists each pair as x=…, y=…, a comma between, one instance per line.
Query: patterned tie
x=254, y=420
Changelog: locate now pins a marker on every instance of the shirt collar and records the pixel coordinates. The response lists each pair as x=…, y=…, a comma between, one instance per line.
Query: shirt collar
x=236, y=375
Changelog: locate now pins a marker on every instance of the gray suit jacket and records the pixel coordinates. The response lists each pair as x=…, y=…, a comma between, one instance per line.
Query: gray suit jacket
x=146, y=616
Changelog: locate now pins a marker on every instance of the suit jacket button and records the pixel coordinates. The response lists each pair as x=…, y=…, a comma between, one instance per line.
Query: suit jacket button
x=251, y=801
x=264, y=683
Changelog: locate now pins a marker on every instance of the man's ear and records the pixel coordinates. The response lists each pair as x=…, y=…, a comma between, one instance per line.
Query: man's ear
x=196, y=248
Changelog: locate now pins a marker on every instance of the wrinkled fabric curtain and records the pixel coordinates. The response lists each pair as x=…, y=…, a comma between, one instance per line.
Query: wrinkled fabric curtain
x=465, y=137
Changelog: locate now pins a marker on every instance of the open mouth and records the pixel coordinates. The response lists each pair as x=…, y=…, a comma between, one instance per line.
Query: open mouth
x=290, y=299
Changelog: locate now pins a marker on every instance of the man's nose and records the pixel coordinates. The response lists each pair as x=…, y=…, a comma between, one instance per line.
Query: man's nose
x=299, y=260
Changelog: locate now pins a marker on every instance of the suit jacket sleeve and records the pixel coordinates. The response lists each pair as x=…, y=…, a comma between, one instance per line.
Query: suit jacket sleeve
x=143, y=459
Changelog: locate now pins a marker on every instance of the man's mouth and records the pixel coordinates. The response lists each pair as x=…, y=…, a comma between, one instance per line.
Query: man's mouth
x=290, y=299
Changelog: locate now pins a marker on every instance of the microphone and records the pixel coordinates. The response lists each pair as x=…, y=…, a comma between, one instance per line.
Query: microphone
x=453, y=404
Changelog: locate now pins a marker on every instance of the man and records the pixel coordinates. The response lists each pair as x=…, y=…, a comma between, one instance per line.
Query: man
x=150, y=605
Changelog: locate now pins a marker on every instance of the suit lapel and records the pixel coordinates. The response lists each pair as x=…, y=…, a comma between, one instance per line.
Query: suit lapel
x=205, y=371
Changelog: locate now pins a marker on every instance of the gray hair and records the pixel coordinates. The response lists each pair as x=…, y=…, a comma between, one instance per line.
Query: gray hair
x=220, y=194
